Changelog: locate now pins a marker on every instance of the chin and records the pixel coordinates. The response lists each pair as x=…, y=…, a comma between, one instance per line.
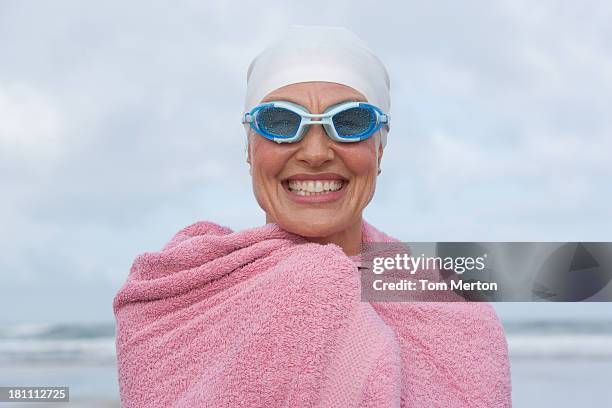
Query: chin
x=309, y=229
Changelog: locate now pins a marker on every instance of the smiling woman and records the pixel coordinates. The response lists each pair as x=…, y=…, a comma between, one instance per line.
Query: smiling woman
x=272, y=316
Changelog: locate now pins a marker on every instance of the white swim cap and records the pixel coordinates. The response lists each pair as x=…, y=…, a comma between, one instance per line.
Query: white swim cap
x=319, y=53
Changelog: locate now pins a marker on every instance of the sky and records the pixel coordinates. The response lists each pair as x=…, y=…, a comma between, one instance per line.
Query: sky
x=120, y=124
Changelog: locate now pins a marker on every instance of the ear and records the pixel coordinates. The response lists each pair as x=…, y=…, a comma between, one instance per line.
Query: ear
x=247, y=148
x=248, y=157
x=380, y=153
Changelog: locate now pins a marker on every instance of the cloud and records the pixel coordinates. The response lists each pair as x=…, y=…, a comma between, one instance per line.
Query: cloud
x=119, y=124
x=31, y=124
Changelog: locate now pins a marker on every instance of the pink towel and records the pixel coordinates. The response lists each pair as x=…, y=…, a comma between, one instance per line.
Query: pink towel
x=262, y=318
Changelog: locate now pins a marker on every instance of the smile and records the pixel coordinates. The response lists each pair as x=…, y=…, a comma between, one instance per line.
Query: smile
x=312, y=188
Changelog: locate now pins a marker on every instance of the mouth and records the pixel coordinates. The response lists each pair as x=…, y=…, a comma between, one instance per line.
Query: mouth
x=311, y=188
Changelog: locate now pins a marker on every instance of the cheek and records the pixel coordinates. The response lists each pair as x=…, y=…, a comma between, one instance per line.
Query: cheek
x=267, y=159
x=360, y=158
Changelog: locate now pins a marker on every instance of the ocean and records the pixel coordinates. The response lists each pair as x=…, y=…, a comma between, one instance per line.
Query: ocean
x=555, y=363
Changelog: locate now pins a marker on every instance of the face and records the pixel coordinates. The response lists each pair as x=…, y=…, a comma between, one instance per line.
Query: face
x=315, y=187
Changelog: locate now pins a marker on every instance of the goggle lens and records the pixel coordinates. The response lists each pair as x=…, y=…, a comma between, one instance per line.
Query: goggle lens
x=354, y=122
x=277, y=121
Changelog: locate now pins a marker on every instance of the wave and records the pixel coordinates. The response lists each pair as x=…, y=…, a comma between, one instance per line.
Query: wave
x=560, y=346
x=95, y=343
x=94, y=351
x=55, y=343
x=558, y=326
x=57, y=331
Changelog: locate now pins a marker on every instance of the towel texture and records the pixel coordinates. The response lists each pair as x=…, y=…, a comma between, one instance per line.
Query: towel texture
x=262, y=318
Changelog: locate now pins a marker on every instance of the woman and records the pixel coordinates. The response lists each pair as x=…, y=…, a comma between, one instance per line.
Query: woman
x=272, y=316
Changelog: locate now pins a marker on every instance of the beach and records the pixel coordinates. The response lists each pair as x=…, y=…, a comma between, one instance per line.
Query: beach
x=553, y=364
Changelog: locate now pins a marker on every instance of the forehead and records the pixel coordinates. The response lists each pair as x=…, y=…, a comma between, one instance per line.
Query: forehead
x=315, y=95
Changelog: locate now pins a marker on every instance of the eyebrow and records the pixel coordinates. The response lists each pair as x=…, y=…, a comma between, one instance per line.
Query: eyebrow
x=289, y=99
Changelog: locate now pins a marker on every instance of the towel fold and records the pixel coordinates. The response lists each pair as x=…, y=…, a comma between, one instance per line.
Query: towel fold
x=263, y=318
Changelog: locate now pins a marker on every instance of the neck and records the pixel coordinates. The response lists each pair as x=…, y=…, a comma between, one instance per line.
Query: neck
x=349, y=239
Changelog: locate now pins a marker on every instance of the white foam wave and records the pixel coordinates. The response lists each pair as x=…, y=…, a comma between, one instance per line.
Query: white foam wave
x=560, y=345
x=97, y=350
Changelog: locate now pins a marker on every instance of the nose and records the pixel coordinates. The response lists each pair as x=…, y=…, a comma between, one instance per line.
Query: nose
x=315, y=147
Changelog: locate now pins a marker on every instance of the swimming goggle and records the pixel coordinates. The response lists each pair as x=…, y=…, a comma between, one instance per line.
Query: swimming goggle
x=288, y=122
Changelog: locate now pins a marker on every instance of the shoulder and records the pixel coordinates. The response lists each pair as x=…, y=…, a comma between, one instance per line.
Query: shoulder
x=369, y=233
x=198, y=228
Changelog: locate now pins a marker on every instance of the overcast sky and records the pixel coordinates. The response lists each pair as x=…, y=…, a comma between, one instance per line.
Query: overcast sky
x=120, y=124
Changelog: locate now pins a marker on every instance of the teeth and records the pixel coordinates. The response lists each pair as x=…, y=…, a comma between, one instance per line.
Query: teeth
x=309, y=187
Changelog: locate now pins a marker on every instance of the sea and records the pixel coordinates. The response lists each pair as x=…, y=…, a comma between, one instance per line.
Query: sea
x=554, y=363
